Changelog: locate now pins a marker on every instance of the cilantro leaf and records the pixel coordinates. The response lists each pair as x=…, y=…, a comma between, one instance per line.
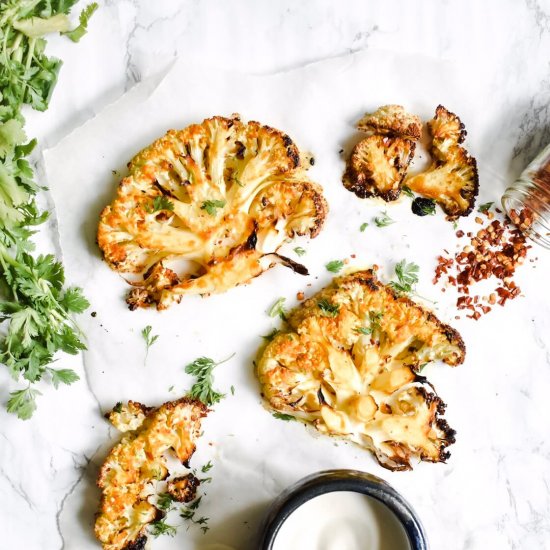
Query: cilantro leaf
x=300, y=251
x=63, y=376
x=212, y=206
x=383, y=220
x=485, y=207
x=334, y=266
x=149, y=339
x=202, y=389
x=160, y=202
x=328, y=309
x=76, y=34
x=282, y=416
x=408, y=191
x=23, y=402
x=277, y=309
x=407, y=277
x=363, y=226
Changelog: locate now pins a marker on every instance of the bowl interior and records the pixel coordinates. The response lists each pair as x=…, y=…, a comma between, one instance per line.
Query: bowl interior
x=341, y=480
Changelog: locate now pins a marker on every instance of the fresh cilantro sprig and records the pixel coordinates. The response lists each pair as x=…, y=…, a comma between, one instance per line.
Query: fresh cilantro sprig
x=278, y=309
x=407, y=277
x=327, y=308
x=334, y=266
x=202, y=389
x=383, y=220
x=149, y=339
x=211, y=206
x=160, y=202
x=485, y=207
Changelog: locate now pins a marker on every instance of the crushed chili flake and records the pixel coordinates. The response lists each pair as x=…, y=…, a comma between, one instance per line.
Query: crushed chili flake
x=495, y=251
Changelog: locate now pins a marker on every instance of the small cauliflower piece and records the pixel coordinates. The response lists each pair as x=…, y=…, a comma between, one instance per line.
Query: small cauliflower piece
x=349, y=364
x=218, y=199
x=453, y=184
x=452, y=179
x=183, y=488
x=392, y=120
x=447, y=131
x=377, y=166
x=137, y=462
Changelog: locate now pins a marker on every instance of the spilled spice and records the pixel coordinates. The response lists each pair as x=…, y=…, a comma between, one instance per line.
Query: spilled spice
x=495, y=251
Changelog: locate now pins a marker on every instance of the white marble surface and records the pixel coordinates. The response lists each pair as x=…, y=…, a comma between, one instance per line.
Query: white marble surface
x=494, y=493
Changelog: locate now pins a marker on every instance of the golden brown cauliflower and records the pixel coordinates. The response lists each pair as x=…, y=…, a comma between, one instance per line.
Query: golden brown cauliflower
x=452, y=179
x=220, y=198
x=392, y=120
x=349, y=364
x=377, y=166
x=131, y=468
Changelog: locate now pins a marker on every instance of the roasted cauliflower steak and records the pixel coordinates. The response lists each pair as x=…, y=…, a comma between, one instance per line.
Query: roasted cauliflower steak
x=134, y=465
x=206, y=208
x=349, y=364
x=378, y=164
x=452, y=179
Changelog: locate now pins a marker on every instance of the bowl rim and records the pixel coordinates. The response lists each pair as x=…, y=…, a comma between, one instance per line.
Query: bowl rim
x=328, y=481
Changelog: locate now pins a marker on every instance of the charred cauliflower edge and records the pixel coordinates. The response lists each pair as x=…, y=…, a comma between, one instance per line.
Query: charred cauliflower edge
x=223, y=195
x=349, y=364
x=131, y=468
x=452, y=180
x=378, y=164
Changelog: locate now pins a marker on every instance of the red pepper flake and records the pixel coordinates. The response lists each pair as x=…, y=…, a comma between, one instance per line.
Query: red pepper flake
x=494, y=252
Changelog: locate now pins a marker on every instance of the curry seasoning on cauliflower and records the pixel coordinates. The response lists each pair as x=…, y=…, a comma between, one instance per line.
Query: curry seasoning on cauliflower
x=349, y=364
x=223, y=196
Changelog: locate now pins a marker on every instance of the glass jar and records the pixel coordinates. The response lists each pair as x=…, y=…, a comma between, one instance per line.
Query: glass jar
x=527, y=201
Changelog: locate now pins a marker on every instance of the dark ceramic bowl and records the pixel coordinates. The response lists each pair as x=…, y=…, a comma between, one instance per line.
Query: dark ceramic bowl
x=341, y=480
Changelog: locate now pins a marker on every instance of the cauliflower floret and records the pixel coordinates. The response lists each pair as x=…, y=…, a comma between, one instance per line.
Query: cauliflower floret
x=447, y=132
x=183, y=488
x=349, y=364
x=221, y=196
x=452, y=183
x=392, y=120
x=452, y=179
x=128, y=417
x=377, y=166
x=136, y=462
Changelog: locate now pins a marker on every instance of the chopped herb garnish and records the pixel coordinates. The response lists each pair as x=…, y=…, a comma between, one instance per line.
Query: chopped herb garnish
x=363, y=330
x=484, y=208
x=374, y=318
x=170, y=388
x=277, y=309
x=232, y=389
x=328, y=309
x=149, y=340
x=118, y=407
x=408, y=191
x=165, y=501
x=271, y=335
x=407, y=277
x=160, y=527
x=363, y=226
x=202, y=389
x=208, y=466
x=300, y=251
x=423, y=207
x=160, y=202
x=383, y=220
x=282, y=416
x=212, y=206
x=334, y=266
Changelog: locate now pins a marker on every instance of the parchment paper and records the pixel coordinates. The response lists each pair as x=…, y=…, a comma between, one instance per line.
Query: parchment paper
x=254, y=455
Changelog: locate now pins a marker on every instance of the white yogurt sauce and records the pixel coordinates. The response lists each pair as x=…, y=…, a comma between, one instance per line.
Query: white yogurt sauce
x=342, y=520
